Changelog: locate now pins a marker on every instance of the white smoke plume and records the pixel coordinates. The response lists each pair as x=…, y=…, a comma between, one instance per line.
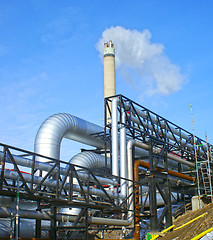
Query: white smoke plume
x=136, y=54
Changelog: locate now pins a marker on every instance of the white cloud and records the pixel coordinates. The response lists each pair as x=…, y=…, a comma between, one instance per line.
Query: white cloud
x=134, y=50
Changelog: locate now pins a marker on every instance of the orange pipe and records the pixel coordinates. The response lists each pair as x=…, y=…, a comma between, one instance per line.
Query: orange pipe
x=170, y=172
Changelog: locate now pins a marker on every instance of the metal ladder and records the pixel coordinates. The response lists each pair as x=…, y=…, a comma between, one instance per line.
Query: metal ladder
x=204, y=177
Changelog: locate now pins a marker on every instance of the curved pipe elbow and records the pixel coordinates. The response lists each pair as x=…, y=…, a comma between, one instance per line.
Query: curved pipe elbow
x=130, y=144
x=58, y=126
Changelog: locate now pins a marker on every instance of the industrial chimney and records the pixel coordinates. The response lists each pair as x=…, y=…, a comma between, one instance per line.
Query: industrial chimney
x=109, y=69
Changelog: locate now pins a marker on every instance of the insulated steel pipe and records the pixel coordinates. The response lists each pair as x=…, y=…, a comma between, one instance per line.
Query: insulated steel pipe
x=170, y=172
x=168, y=135
x=7, y=212
x=56, y=127
x=115, y=165
x=123, y=161
x=53, y=183
x=158, y=151
x=130, y=145
x=90, y=160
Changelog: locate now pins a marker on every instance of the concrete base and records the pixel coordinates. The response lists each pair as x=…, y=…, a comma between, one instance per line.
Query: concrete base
x=195, y=203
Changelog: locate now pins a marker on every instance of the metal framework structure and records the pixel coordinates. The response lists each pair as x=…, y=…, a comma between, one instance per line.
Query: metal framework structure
x=146, y=126
x=50, y=184
x=52, y=190
x=141, y=123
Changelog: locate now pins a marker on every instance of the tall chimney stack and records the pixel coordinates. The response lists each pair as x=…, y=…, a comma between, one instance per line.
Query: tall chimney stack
x=109, y=69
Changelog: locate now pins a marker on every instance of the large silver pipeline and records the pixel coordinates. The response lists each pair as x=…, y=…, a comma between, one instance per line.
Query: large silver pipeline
x=115, y=164
x=89, y=160
x=44, y=215
x=144, y=115
x=53, y=183
x=158, y=151
x=44, y=166
x=168, y=135
x=58, y=126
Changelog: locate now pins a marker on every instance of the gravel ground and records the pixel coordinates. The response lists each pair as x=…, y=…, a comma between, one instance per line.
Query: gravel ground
x=192, y=229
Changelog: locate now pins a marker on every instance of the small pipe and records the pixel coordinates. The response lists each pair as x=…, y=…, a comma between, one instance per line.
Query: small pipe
x=164, y=231
x=170, y=172
x=130, y=145
x=158, y=151
x=202, y=215
x=202, y=234
x=17, y=210
x=136, y=180
x=123, y=162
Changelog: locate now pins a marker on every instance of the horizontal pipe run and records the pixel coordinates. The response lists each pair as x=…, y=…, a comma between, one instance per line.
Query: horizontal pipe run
x=158, y=151
x=168, y=135
x=145, y=116
x=44, y=166
x=30, y=214
x=53, y=183
x=175, y=131
x=172, y=180
x=170, y=172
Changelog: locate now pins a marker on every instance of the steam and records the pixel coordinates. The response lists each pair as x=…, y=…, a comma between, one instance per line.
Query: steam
x=137, y=55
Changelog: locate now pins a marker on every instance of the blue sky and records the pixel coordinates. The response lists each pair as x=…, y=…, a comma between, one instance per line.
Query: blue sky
x=50, y=62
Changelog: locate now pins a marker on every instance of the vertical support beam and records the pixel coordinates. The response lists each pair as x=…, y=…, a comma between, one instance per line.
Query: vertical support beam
x=3, y=168
x=38, y=225
x=153, y=203
x=152, y=192
x=70, y=193
x=168, y=205
x=86, y=224
x=58, y=179
x=167, y=191
x=53, y=223
x=38, y=229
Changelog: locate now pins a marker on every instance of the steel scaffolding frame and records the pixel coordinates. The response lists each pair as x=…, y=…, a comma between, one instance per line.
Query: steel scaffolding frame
x=142, y=125
x=148, y=127
x=57, y=196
